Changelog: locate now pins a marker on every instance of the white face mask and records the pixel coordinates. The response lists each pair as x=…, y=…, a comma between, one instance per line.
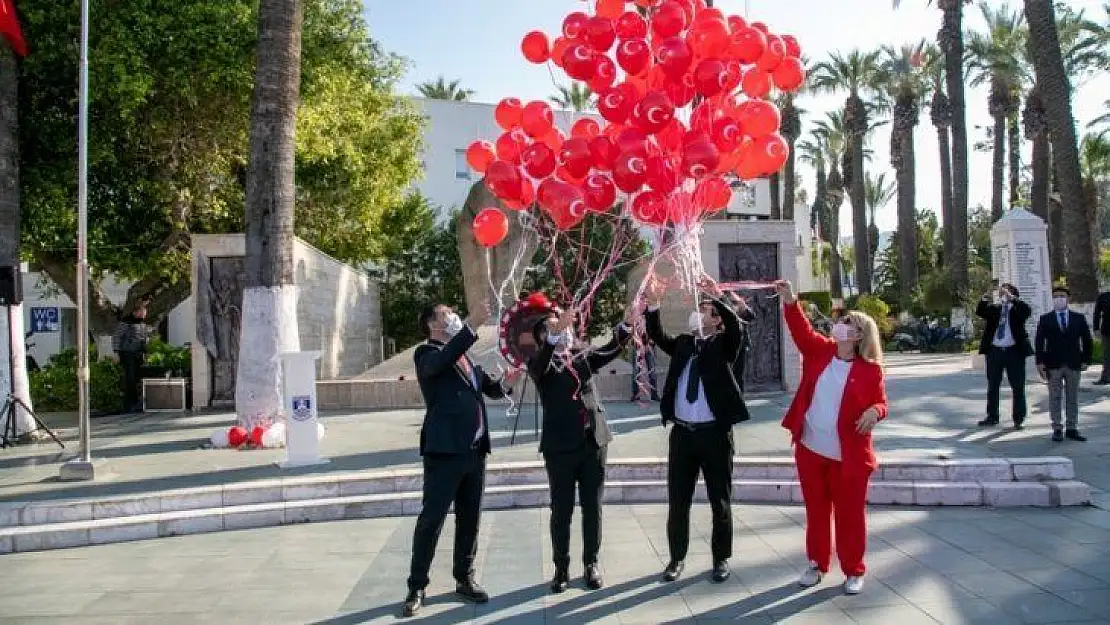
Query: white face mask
x=694, y=322
x=566, y=337
x=1061, y=303
x=452, y=324
x=843, y=333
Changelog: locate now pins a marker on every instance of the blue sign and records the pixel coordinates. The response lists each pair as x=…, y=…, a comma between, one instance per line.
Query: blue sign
x=46, y=319
x=302, y=407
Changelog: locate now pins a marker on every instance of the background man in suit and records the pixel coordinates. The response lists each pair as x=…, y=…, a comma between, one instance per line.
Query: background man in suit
x=1102, y=326
x=454, y=442
x=1006, y=345
x=746, y=317
x=575, y=437
x=702, y=399
x=1063, y=351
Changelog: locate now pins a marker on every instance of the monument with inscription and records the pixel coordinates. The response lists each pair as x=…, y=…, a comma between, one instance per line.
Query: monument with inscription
x=1019, y=256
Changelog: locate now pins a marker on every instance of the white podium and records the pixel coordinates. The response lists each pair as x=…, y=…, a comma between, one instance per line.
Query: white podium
x=302, y=442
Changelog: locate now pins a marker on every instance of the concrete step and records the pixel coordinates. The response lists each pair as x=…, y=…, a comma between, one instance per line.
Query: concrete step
x=38, y=536
x=295, y=488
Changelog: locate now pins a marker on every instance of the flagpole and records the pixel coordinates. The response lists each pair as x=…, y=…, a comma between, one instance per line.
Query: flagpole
x=82, y=467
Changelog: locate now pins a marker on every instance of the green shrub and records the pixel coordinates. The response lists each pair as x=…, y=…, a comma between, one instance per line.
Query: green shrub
x=54, y=387
x=161, y=354
x=822, y=299
x=1096, y=353
x=878, y=310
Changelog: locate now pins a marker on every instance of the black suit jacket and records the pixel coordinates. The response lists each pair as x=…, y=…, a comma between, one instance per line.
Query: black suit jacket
x=1057, y=347
x=745, y=346
x=453, y=403
x=568, y=395
x=1102, y=313
x=714, y=363
x=992, y=314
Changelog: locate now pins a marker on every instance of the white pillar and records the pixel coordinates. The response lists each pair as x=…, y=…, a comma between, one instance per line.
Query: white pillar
x=302, y=441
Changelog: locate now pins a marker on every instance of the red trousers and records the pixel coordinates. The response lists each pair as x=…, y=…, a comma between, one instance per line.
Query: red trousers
x=830, y=492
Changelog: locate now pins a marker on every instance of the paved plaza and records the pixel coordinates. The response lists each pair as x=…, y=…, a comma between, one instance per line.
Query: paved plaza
x=928, y=565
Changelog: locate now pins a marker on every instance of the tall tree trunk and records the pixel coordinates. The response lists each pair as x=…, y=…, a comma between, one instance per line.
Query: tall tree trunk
x=903, y=160
x=998, y=167
x=270, y=297
x=834, y=197
x=941, y=114
x=855, y=121
x=774, y=186
x=1058, y=253
x=1035, y=124
x=11, y=318
x=791, y=129
x=1090, y=206
x=1014, y=159
x=952, y=43
x=1056, y=93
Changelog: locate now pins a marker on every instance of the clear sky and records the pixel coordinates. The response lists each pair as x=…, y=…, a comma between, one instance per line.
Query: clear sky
x=478, y=42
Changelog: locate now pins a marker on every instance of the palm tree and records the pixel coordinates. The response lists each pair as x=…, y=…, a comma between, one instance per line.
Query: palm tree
x=878, y=192
x=577, y=98
x=1095, y=160
x=829, y=144
x=443, y=90
x=906, y=80
x=269, y=325
x=940, y=114
x=814, y=151
x=791, y=130
x=858, y=75
x=1101, y=120
x=1055, y=88
x=996, y=57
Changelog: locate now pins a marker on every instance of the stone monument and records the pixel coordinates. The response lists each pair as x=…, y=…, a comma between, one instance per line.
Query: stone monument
x=509, y=259
x=1019, y=256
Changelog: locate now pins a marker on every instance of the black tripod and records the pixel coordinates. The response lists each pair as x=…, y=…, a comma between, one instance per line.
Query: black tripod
x=11, y=435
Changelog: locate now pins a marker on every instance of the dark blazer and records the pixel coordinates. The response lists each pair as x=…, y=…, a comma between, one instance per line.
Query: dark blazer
x=453, y=403
x=1102, y=313
x=715, y=366
x=745, y=346
x=992, y=314
x=567, y=395
x=1057, y=347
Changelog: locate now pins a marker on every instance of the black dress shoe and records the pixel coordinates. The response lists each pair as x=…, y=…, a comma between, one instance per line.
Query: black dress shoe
x=721, y=571
x=673, y=570
x=593, y=577
x=471, y=591
x=1057, y=436
x=1074, y=435
x=1018, y=425
x=413, y=602
x=988, y=422
x=561, y=580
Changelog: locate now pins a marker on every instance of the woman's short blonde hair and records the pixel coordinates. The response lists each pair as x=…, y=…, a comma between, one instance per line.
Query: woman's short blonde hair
x=870, y=346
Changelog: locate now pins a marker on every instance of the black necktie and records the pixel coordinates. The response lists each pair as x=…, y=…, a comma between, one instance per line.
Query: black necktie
x=693, y=380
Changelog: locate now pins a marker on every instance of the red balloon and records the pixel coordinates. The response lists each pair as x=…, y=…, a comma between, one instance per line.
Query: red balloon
x=735, y=23
x=727, y=134
x=237, y=436
x=700, y=158
x=709, y=38
x=600, y=33
x=748, y=44
x=682, y=91
x=586, y=128
x=632, y=139
x=600, y=192
x=669, y=20
x=548, y=190
x=629, y=171
x=604, y=152
x=527, y=196
x=759, y=118
x=554, y=139
x=661, y=175
x=670, y=139
x=565, y=205
x=575, y=157
x=761, y=27
x=771, y=152
x=773, y=55
x=537, y=119
x=789, y=75
x=503, y=180
x=508, y=113
x=605, y=72
x=653, y=113
x=614, y=105
x=256, y=435
x=650, y=207
x=562, y=173
x=712, y=194
x=559, y=49
x=610, y=8
x=490, y=227
x=793, y=48
x=734, y=73
x=578, y=61
x=574, y=24
x=630, y=25
x=479, y=155
x=701, y=120
x=647, y=4
x=510, y=145
x=710, y=77
x=634, y=55
x=756, y=83
x=675, y=56
x=536, y=47
x=538, y=160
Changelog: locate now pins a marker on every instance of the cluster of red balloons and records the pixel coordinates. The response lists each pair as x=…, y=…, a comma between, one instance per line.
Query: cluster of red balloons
x=682, y=92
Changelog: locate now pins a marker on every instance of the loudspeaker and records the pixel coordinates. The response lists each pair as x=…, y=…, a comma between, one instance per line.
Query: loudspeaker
x=11, y=285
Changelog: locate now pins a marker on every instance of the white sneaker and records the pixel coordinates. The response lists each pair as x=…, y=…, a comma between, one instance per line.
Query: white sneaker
x=810, y=577
x=853, y=585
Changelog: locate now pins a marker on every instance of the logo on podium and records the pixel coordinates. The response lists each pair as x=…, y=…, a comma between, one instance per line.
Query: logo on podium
x=302, y=407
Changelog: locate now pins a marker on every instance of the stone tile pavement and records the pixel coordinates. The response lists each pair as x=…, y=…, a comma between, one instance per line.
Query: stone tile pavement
x=945, y=565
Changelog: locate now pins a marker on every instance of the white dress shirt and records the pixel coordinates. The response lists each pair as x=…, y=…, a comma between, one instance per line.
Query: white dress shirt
x=820, y=434
x=1007, y=338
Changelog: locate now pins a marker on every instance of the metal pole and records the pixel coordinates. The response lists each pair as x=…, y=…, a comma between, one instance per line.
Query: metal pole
x=82, y=239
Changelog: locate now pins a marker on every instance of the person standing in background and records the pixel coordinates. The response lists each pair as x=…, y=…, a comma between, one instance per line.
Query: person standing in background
x=129, y=343
x=1102, y=326
x=1006, y=346
x=1063, y=351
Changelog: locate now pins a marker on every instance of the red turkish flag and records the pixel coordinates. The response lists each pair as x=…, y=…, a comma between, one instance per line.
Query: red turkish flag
x=9, y=28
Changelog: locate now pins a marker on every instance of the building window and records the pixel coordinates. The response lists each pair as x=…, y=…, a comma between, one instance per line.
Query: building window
x=462, y=168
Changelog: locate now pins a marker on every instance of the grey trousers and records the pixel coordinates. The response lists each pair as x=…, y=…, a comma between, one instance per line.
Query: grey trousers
x=1064, y=381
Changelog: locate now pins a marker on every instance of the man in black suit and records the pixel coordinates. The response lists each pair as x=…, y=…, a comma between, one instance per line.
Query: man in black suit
x=1064, y=348
x=746, y=317
x=575, y=437
x=703, y=400
x=1006, y=345
x=454, y=442
x=1102, y=326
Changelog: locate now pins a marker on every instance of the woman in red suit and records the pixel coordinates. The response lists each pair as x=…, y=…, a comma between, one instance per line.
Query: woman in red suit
x=839, y=400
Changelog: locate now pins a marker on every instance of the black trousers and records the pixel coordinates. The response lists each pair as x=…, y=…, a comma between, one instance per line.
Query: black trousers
x=709, y=452
x=131, y=362
x=1011, y=361
x=458, y=479
x=581, y=470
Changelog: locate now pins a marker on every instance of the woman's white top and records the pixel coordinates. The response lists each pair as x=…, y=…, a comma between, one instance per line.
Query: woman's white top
x=820, y=434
